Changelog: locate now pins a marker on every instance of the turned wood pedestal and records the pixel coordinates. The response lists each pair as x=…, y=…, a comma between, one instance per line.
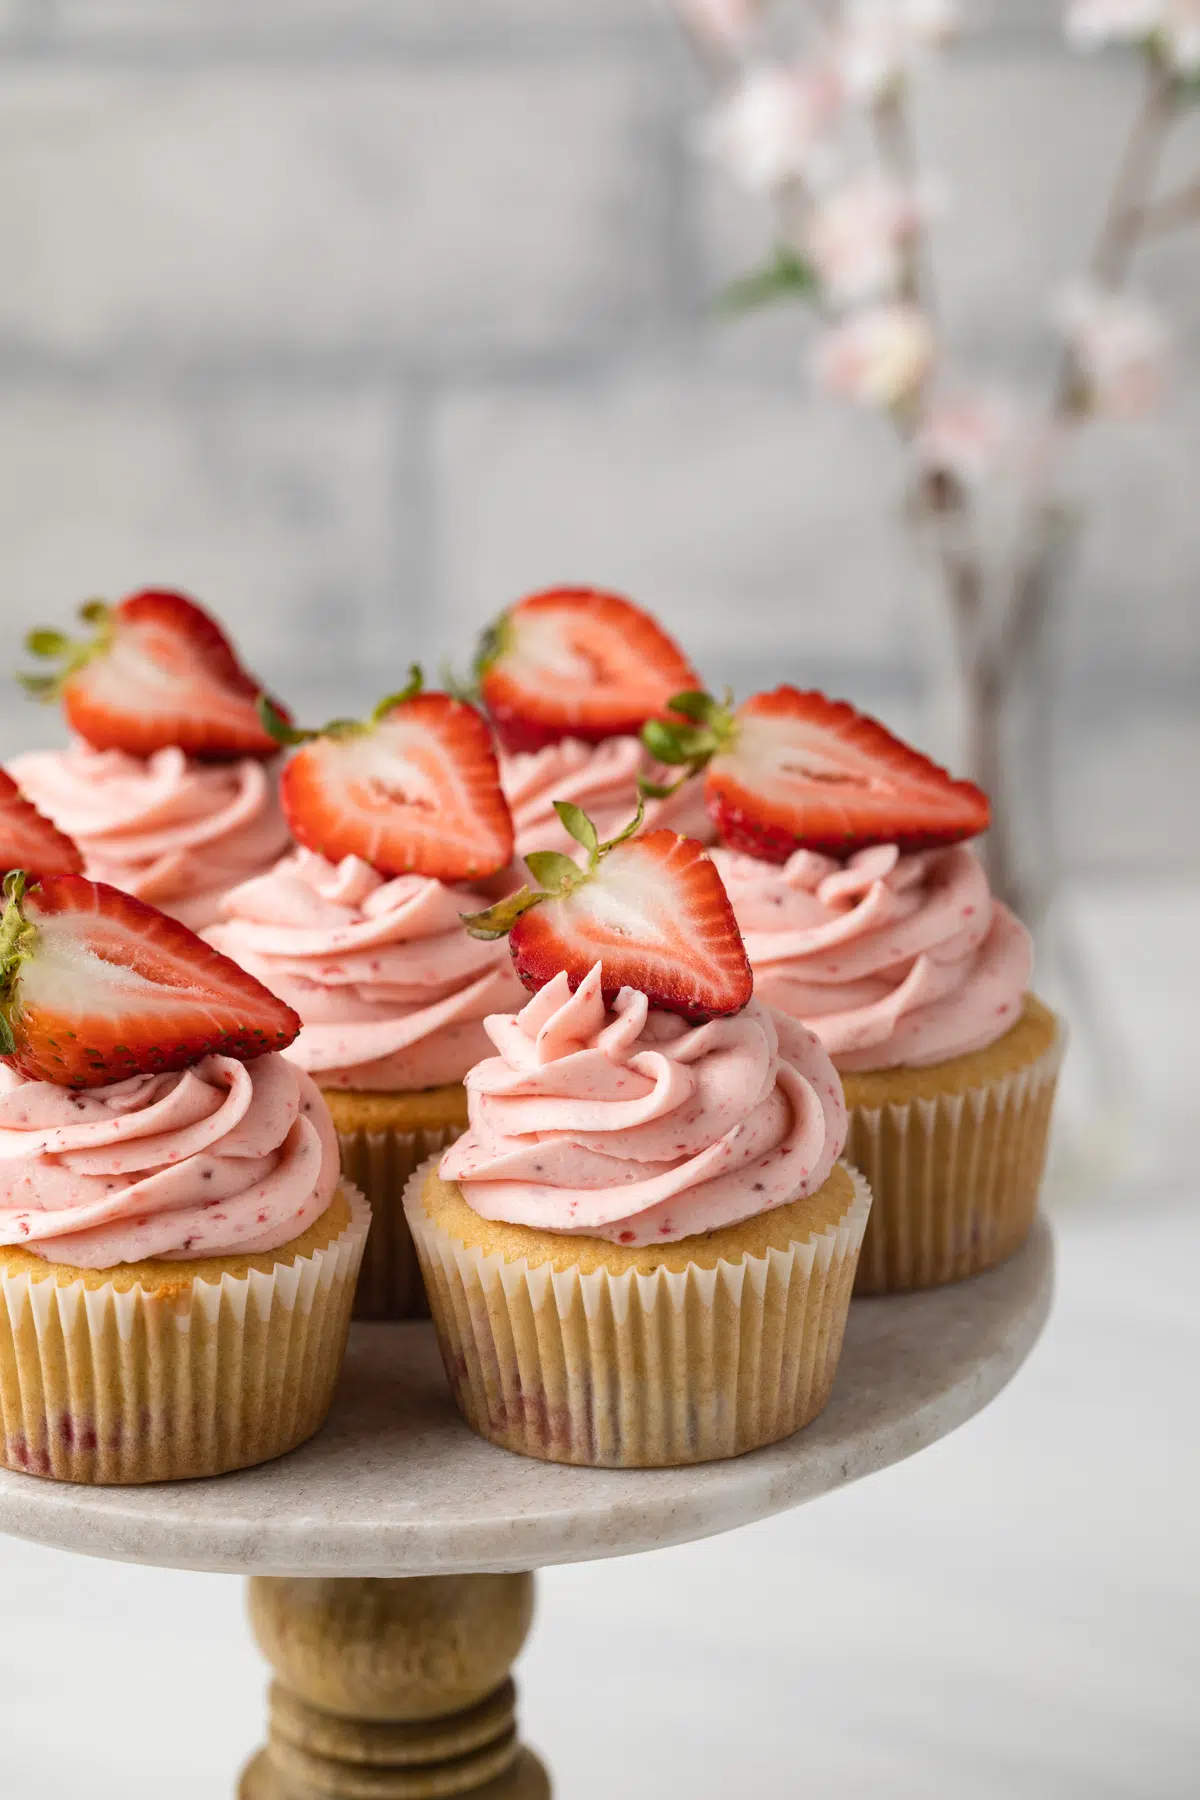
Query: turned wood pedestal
x=389, y=1558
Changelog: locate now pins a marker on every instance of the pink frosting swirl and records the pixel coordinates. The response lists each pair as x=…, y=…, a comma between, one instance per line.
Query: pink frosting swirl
x=600, y=778
x=891, y=959
x=392, y=991
x=175, y=832
x=223, y=1159
x=633, y=1125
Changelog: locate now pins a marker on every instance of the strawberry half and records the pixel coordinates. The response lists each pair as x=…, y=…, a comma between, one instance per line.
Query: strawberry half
x=96, y=986
x=27, y=838
x=157, y=672
x=574, y=662
x=791, y=770
x=651, y=909
x=413, y=790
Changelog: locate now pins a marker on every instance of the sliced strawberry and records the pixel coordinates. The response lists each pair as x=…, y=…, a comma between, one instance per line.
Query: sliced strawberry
x=574, y=662
x=413, y=790
x=797, y=771
x=158, y=672
x=651, y=909
x=96, y=986
x=28, y=840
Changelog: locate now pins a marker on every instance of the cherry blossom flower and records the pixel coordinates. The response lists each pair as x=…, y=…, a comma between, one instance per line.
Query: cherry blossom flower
x=855, y=237
x=878, y=357
x=881, y=42
x=776, y=125
x=1120, y=350
x=967, y=435
x=1172, y=25
x=726, y=25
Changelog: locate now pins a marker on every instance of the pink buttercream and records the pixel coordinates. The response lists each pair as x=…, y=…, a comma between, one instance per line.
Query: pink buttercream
x=892, y=959
x=602, y=779
x=633, y=1125
x=224, y=1159
x=175, y=832
x=392, y=991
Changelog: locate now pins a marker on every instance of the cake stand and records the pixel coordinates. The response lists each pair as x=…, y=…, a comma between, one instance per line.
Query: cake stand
x=390, y=1557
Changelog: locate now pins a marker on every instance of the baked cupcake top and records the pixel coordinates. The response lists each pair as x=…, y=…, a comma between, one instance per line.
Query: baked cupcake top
x=893, y=959
x=391, y=990
x=865, y=915
x=144, y=1108
x=164, y=787
x=631, y=1124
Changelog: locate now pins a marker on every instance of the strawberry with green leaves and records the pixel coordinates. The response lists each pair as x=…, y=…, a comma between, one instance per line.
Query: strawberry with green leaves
x=96, y=986
x=793, y=770
x=27, y=838
x=576, y=663
x=414, y=789
x=156, y=672
x=650, y=908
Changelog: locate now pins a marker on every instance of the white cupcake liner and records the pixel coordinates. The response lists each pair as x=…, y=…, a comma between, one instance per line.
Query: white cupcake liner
x=390, y=1285
x=120, y=1387
x=632, y=1370
x=956, y=1179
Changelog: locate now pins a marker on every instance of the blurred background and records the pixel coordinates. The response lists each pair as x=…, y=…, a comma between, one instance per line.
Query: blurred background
x=357, y=318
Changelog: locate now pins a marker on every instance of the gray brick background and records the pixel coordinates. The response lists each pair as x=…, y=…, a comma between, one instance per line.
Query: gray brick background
x=358, y=317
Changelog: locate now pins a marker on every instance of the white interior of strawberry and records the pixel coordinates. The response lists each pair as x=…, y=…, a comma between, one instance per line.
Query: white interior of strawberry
x=153, y=671
x=783, y=751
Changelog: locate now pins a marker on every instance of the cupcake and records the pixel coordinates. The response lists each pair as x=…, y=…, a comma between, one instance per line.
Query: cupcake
x=569, y=677
x=166, y=787
x=868, y=918
x=642, y=1251
x=178, y=1251
x=360, y=931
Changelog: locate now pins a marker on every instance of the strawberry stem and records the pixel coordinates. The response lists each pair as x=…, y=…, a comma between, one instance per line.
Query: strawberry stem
x=711, y=729
x=287, y=734
x=558, y=874
x=16, y=934
x=73, y=653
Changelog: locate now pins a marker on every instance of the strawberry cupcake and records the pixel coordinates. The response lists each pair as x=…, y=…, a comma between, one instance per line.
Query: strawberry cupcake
x=360, y=930
x=569, y=677
x=167, y=788
x=867, y=917
x=178, y=1250
x=641, y=1253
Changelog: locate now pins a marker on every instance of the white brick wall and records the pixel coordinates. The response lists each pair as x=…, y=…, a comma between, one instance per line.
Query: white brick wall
x=361, y=318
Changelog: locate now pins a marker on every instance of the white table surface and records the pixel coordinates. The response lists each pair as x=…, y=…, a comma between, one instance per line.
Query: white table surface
x=1016, y=1611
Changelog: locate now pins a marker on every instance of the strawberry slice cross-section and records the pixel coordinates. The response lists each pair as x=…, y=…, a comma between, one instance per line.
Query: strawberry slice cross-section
x=28, y=840
x=412, y=790
x=157, y=672
x=651, y=909
x=575, y=662
x=96, y=986
x=793, y=770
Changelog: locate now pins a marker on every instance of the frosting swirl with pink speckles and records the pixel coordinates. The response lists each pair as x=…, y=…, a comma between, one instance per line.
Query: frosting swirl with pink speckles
x=635, y=1126
x=602, y=779
x=223, y=1159
x=391, y=990
x=176, y=832
x=893, y=960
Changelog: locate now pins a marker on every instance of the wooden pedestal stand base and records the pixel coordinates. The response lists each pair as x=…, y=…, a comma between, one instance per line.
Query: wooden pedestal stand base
x=393, y=1690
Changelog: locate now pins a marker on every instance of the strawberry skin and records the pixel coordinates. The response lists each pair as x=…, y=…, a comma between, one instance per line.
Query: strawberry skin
x=656, y=915
x=29, y=841
x=805, y=772
x=575, y=662
x=160, y=673
x=413, y=791
x=96, y=986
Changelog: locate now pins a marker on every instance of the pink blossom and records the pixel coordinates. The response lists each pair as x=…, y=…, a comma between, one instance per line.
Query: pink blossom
x=776, y=124
x=881, y=42
x=1120, y=350
x=967, y=435
x=856, y=235
x=878, y=357
x=726, y=25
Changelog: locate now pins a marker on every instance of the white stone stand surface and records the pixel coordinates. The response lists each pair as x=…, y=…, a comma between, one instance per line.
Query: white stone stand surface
x=390, y=1555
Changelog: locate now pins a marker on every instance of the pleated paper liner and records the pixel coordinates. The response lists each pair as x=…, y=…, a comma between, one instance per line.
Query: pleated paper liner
x=159, y=1371
x=575, y=1350
x=383, y=1138
x=954, y=1155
